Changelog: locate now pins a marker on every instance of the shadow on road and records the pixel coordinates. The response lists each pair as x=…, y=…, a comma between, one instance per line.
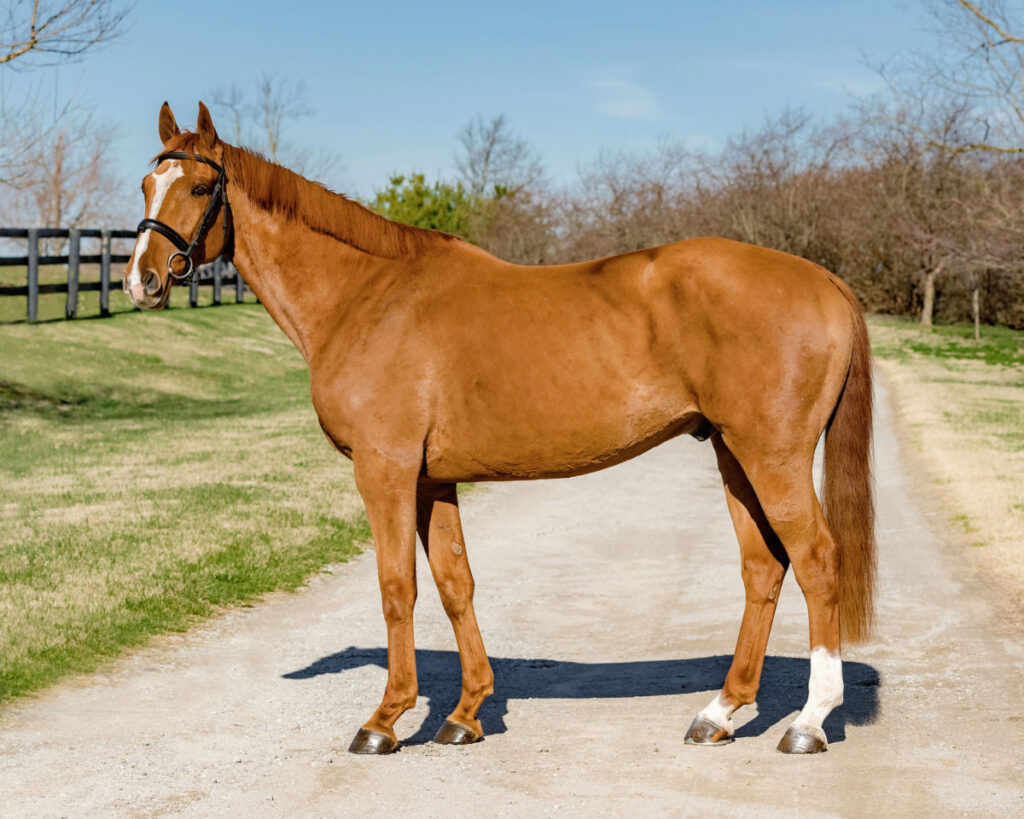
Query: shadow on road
x=783, y=685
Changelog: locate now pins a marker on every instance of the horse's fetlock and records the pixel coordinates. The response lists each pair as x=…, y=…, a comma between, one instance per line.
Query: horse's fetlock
x=743, y=696
x=737, y=693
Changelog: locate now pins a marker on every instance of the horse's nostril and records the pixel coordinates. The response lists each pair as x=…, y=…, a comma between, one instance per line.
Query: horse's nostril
x=152, y=283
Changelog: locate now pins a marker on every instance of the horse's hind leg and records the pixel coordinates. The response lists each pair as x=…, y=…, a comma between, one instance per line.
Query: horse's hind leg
x=764, y=566
x=785, y=487
x=440, y=529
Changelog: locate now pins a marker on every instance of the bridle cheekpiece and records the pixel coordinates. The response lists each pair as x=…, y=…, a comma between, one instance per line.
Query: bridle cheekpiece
x=218, y=198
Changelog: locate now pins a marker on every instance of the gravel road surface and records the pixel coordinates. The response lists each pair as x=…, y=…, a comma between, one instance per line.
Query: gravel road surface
x=609, y=605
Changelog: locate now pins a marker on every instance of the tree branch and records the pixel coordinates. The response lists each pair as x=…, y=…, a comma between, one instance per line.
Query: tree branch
x=64, y=31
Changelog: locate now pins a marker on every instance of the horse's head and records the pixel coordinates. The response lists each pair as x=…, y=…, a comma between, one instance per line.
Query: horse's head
x=187, y=221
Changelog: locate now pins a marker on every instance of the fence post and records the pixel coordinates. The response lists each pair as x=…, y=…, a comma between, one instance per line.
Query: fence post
x=74, y=252
x=217, y=280
x=105, y=272
x=33, y=273
x=193, y=291
x=239, y=287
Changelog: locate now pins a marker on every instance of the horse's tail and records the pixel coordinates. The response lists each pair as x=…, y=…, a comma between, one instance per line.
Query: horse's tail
x=847, y=491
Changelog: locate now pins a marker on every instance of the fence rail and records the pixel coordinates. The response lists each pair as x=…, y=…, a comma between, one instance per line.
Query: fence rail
x=216, y=274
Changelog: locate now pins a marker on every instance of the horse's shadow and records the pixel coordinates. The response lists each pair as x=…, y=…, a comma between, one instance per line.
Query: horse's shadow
x=783, y=685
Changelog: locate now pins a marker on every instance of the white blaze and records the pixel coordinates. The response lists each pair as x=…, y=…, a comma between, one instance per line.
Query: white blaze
x=164, y=180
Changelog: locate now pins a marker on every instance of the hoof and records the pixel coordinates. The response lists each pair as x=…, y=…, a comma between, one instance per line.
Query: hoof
x=803, y=741
x=372, y=742
x=455, y=733
x=705, y=732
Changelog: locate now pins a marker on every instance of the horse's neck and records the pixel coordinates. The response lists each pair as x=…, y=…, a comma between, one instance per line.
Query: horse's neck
x=302, y=278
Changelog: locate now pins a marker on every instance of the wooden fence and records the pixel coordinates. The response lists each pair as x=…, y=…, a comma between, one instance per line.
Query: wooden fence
x=219, y=274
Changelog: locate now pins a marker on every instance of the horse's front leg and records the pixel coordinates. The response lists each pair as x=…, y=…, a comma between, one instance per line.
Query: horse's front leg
x=440, y=528
x=388, y=488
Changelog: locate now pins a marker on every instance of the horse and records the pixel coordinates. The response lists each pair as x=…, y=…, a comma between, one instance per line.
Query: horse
x=432, y=362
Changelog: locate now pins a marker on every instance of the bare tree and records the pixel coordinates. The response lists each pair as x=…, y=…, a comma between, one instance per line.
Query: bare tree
x=231, y=101
x=45, y=32
x=963, y=99
x=491, y=156
x=511, y=212
x=278, y=99
x=259, y=119
x=978, y=68
x=23, y=124
x=35, y=33
x=519, y=228
x=773, y=186
x=74, y=181
x=630, y=201
x=68, y=180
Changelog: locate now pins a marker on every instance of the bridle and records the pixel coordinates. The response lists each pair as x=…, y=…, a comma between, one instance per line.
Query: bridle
x=218, y=198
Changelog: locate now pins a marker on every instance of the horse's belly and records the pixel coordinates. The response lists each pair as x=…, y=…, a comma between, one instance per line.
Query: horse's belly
x=579, y=436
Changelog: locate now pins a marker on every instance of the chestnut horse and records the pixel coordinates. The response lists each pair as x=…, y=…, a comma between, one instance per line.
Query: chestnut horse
x=432, y=362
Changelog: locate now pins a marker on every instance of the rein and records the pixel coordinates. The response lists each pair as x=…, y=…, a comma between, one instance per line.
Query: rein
x=218, y=198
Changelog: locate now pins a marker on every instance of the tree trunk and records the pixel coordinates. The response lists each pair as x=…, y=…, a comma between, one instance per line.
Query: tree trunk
x=928, y=305
x=976, y=311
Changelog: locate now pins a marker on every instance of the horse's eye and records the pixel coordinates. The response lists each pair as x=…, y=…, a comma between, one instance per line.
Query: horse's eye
x=200, y=190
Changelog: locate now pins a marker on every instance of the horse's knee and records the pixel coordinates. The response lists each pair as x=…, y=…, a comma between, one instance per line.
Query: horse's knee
x=456, y=595
x=761, y=579
x=398, y=598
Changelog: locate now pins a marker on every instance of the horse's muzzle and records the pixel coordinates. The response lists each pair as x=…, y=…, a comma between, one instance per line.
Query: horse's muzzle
x=145, y=293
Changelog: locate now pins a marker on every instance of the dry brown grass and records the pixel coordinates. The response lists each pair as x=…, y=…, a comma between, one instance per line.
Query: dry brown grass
x=964, y=421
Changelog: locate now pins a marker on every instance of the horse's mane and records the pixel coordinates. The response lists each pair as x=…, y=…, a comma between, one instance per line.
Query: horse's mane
x=281, y=191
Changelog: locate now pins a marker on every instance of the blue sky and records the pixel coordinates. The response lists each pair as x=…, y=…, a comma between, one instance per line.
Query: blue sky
x=392, y=83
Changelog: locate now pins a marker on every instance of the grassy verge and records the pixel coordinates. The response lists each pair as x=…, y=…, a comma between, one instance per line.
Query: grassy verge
x=154, y=467
x=962, y=402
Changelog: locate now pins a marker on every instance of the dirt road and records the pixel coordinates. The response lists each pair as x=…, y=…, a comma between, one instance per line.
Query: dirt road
x=609, y=605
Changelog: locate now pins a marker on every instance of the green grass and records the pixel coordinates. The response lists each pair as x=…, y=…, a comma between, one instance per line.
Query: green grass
x=902, y=339
x=983, y=377
x=155, y=468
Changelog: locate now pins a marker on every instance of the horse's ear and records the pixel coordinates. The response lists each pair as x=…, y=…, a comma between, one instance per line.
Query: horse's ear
x=204, y=127
x=166, y=126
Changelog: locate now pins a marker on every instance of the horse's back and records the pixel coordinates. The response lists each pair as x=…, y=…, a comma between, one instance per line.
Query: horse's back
x=560, y=370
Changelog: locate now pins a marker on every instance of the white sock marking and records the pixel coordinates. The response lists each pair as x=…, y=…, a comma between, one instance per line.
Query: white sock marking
x=719, y=713
x=824, y=690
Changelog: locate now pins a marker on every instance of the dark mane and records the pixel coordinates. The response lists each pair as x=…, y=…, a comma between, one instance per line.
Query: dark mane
x=281, y=191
